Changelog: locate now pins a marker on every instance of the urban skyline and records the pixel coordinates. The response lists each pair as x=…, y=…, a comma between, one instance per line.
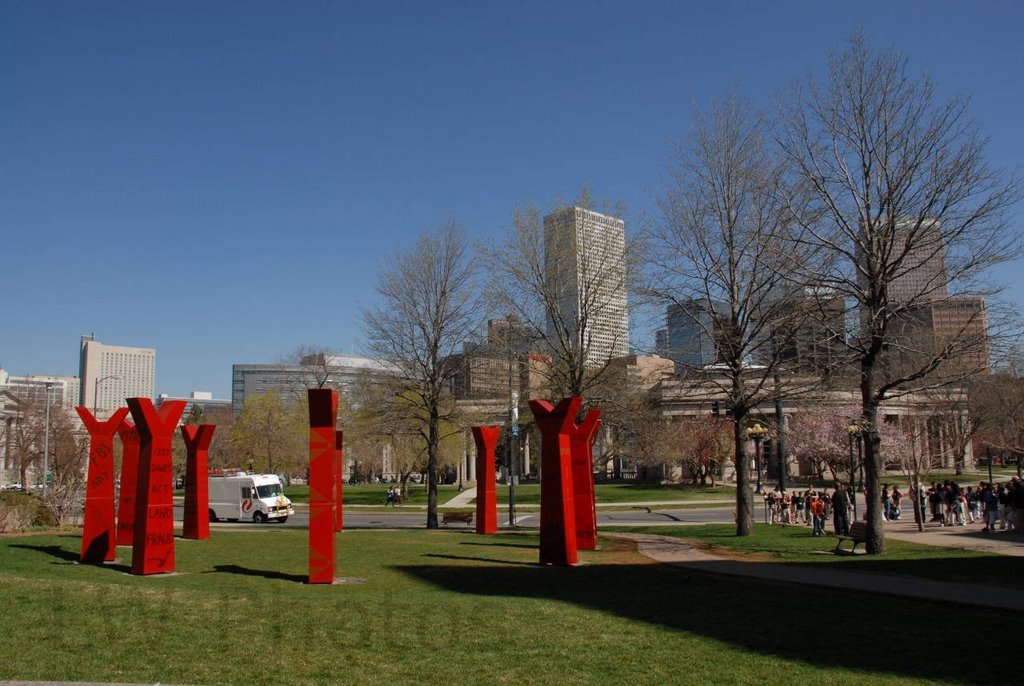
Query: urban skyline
x=173, y=171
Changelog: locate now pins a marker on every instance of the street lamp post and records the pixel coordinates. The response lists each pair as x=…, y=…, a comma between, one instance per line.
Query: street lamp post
x=96, y=392
x=780, y=439
x=756, y=433
x=988, y=452
x=854, y=432
x=46, y=439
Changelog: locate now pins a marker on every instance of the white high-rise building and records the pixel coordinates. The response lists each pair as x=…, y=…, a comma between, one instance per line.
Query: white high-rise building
x=584, y=253
x=111, y=373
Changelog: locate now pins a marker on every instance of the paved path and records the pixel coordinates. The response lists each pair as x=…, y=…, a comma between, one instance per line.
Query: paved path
x=680, y=553
x=969, y=537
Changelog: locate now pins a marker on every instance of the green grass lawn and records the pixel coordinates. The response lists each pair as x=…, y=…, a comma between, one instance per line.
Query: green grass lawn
x=796, y=545
x=529, y=494
x=454, y=607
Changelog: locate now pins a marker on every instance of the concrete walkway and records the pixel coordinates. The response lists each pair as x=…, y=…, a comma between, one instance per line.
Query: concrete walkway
x=969, y=537
x=680, y=553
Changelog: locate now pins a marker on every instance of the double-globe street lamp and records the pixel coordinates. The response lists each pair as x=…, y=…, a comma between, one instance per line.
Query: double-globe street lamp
x=856, y=432
x=756, y=433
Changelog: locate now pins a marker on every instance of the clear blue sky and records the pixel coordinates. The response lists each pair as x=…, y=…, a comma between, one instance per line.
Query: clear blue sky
x=220, y=180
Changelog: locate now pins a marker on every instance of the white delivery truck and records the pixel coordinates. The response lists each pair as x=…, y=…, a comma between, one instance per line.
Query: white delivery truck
x=242, y=496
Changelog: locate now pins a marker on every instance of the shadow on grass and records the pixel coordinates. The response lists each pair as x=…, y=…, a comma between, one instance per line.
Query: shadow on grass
x=262, y=573
x=996, y=570
x=733, y=610
x=524, y=546
x=70, y=557
x=491, y=560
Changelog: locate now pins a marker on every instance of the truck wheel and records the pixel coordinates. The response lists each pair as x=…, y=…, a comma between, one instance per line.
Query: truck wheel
x=259, y=517
x=213, y=515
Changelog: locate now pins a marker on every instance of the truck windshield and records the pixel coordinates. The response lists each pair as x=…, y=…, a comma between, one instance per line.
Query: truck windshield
x=269, y=491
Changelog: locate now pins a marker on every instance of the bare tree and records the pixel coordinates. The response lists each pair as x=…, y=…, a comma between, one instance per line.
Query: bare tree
x=721, y=254
x=270, y=435
x=317, y=360
x=429, y=307
x=901, y=198
x=565, y=289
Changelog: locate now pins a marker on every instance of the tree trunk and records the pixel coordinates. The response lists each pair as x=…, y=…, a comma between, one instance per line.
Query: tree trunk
x=876, y=544
x=744, y=497
x=432, y=446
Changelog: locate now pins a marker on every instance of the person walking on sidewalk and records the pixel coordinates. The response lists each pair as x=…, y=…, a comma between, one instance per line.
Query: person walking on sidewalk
x=818, y=508
x=990, y=501
x=841, y=511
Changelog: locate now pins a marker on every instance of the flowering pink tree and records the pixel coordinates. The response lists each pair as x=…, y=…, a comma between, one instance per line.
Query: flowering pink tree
x=821, y=440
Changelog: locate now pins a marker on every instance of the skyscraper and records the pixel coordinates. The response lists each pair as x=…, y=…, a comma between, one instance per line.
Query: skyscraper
x=691, y=334
x=584, y=256
x=111, y=373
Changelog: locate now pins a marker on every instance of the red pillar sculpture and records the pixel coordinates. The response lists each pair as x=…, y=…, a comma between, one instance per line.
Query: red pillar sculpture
x=581, y=441
x=153, y=543
x=99, y=528
x=339, y=511
x=129, y=481
x=197, y=484
x=486, y=438
x=323, y=408
x=557, y=511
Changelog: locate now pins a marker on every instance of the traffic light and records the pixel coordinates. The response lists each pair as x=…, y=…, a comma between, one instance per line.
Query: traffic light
x=714, y=408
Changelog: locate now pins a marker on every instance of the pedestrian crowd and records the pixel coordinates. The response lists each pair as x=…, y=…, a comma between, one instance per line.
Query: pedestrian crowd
x=997, y=506
x=810, y=507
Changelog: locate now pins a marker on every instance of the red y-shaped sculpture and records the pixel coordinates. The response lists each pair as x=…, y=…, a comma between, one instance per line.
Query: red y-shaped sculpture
x=99, y=528
x=323, y=408
x=581, y=441
x=557, y=511
x=339, y=456
x=197, y=484
x=153, y=544
x=129, y=482
x=486, y=438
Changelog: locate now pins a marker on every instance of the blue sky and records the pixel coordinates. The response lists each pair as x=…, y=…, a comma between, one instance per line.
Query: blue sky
x=220, y=180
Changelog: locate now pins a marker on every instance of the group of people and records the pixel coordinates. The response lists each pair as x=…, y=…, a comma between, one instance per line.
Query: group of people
x=394, y=496
x=993, y=505
x=810, y=507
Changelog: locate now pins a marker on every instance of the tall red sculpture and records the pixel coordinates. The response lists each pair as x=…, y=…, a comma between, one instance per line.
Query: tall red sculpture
x=339, y=480
x=557, y=511
x=153, y=544
x=323, y=408
x=581, y=441
x=99, y=528
x=197, y=484
x=486, y=438
x=129, y=481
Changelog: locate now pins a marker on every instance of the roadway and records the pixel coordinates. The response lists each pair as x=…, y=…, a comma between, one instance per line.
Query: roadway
x=654, y=515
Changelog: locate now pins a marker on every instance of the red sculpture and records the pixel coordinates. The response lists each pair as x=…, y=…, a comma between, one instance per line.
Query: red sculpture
x=486, y=438
x=99, y=528
x=323, y=408
x=153, y=544
x=557, y=511
x=581, y=441
x=339, y=513
x=197, y=483
x=129, y=482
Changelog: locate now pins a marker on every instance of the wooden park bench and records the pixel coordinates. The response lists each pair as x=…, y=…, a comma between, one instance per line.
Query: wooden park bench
x=858, y=534
x=466, y=517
